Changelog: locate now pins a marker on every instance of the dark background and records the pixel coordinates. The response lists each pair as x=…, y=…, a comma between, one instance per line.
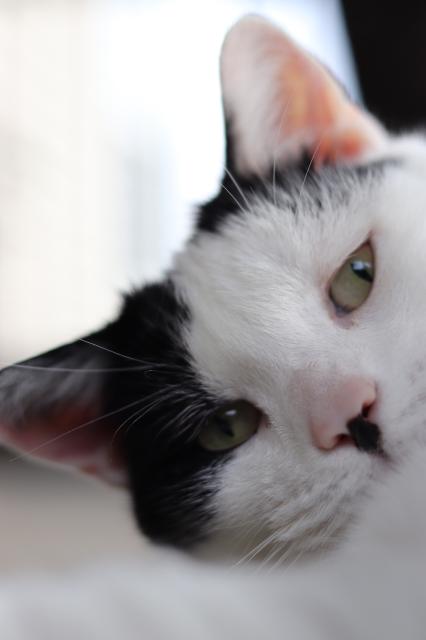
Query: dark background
x=389, y=46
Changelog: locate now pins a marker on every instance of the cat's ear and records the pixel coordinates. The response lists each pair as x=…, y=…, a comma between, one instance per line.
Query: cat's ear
x=281, y=103
x=54, y=406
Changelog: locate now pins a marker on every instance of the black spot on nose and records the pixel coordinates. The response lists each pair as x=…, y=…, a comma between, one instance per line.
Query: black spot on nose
x=365, y=434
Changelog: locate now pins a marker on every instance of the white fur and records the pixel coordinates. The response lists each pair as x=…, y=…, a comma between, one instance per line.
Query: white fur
x=263, y=329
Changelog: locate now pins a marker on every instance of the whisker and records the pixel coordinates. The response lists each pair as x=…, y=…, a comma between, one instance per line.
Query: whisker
x=115, y=353
x=240, y=191
x=31, y=367
x=121, y=426
x=243, y=542
x=186, y=414
x=274, y=552
x=239, y=205
x=274, y=161
x=146, y=409
x=146, y=366
x=310, y=165
x=258, y=548
x=156, y=398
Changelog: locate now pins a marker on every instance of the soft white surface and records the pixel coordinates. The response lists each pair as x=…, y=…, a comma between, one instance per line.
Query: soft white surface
x=373, y=588
x=111, y=132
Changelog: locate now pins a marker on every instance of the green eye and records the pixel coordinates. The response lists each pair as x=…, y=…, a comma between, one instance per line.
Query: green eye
x=230, y=426
x=352, y=283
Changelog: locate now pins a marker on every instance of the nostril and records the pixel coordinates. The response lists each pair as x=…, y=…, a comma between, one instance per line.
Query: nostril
x=366, y=407
x=365, y=434
x=343, y=440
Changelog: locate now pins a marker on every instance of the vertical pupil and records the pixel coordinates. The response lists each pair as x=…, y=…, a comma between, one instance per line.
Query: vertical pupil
x=224, y=423
x=362, y=269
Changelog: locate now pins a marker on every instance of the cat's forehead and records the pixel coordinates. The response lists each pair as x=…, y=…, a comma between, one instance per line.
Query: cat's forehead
x=290, y=215
x=296, y=222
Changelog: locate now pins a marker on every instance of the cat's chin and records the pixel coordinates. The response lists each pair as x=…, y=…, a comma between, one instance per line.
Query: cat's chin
x=319, y=529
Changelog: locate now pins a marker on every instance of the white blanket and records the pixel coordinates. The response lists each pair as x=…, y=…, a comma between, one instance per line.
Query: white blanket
x=372, y=588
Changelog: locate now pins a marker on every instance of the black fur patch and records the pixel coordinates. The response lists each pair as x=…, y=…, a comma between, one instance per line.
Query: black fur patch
x=236, y=190
x=171, y=477
x=150, y=403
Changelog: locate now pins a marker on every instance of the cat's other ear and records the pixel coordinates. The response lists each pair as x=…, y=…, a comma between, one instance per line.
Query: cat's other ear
x=55, y=407
x=280, y=103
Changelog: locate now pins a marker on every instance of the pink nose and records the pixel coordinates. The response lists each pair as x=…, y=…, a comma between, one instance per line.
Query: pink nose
x=336, y=408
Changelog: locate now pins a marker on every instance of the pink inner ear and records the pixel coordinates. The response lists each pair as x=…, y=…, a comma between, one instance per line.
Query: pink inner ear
x=282, y=103
x=72, y=437
x=318, y=108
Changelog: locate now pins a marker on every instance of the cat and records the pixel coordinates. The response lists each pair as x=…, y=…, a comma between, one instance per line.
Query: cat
x=252, y=399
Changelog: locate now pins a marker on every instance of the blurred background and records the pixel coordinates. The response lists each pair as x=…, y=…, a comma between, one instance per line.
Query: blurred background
x=110, y=134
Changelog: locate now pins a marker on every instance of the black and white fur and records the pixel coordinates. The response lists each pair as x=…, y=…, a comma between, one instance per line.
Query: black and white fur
x=243, y=313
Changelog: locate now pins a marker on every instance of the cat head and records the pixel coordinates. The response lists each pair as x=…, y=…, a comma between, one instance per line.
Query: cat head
x=251, y=398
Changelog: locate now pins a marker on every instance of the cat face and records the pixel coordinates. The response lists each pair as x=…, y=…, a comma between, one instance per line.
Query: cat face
x=284, y=346
x=252, y=398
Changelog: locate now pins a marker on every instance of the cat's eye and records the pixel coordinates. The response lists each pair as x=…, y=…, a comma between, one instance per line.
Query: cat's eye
x=352, y=284
x=230, y=426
